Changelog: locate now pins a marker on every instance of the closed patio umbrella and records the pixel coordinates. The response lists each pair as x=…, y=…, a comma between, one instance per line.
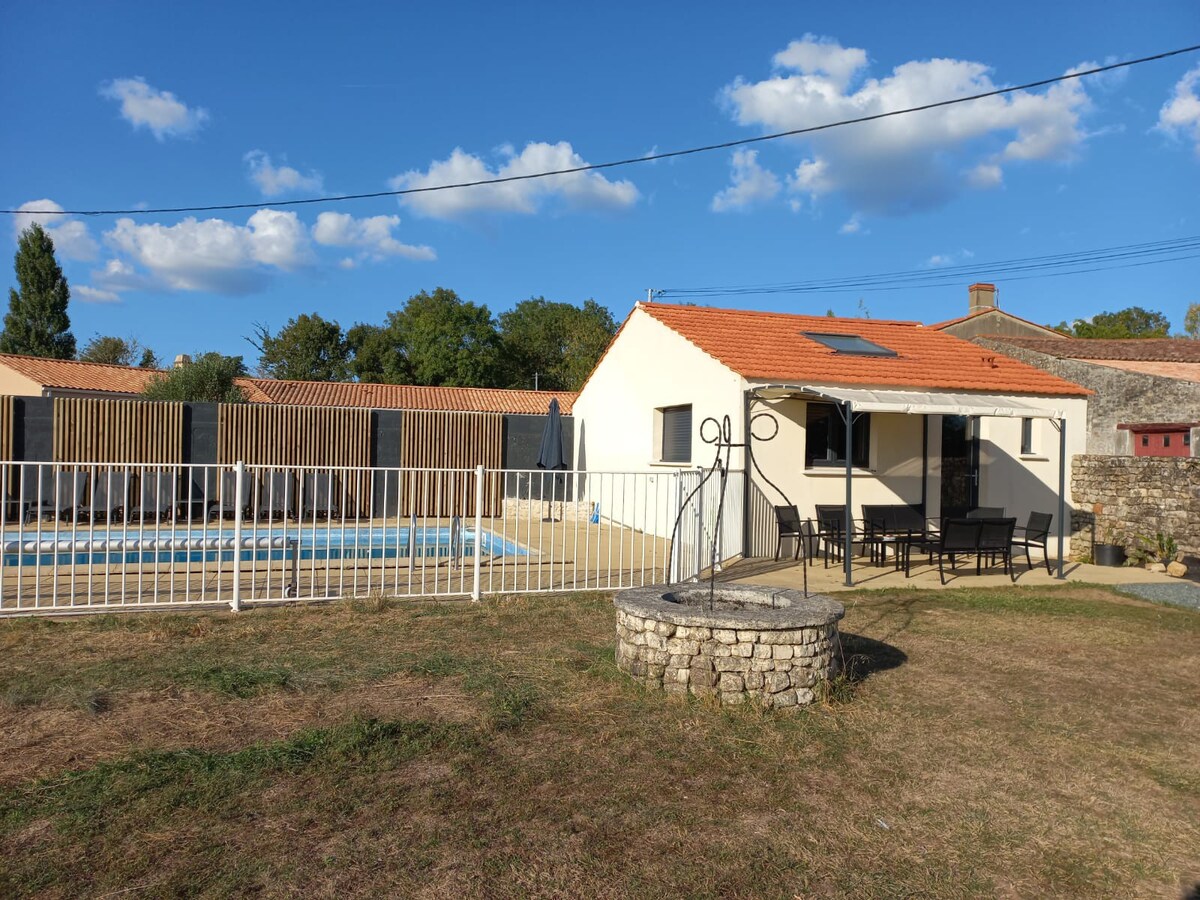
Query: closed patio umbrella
x=550, y=455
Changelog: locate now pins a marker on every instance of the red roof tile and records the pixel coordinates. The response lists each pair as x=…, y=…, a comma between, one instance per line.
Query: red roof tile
x=69, y=374
x=765, y=346
x=407, y=396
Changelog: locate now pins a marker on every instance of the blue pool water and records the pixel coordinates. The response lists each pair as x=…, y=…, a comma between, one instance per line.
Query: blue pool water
x=117, y=545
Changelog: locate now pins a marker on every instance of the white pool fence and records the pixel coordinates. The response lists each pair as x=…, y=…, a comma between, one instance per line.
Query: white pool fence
x=87, y=537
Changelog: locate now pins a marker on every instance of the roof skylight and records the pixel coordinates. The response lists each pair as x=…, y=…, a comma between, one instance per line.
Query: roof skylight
x=849, y=344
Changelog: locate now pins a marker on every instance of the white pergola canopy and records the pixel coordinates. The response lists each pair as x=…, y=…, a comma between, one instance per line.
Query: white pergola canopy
x=931, y=403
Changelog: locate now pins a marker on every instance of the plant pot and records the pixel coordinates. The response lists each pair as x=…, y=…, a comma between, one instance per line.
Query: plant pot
x=1109, y=555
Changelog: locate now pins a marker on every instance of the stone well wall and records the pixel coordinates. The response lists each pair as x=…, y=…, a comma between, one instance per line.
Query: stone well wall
x=759, y=662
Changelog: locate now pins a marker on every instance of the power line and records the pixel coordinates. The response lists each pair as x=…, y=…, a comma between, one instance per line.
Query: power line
x=1049, y=265
x=650, y=157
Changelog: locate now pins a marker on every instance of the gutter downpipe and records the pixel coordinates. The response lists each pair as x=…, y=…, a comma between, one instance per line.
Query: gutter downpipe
x=848, y=522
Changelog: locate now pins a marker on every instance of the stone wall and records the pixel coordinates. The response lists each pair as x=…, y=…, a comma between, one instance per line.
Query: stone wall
x=1136, y=495
x=777, y=668
x=1121, y=396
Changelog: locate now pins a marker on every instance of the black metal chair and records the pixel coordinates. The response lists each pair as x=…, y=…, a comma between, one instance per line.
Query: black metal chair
x=830, y=531
x=957, y=537
x=986, y=512
x=790, y=526
x=69, y=491
x=156, y=493
x=995, y=541
x=230, y=503
x=1034, y=534
x=37, y=492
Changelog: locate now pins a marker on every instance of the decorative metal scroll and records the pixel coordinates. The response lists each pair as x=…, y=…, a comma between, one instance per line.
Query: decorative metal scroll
x=719, y=434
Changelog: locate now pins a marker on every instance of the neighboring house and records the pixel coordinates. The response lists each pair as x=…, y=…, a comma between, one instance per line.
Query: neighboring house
x=1147, y=390
x=938, y=422
x=28, y=376
x=985, y=317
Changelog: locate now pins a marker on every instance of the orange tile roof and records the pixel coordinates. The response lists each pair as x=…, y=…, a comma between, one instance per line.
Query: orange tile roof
x=765, y=346
x=69, y=374
x=407, y=396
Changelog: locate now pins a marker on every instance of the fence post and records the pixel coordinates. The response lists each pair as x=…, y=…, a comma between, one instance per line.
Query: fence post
x=475, y=594
x=239, y=478
x=698, y=549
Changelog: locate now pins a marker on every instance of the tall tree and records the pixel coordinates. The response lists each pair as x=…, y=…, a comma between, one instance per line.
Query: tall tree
x=446, y=340
x=209, y=378
x=377, y=354
x=559, y=342
x=117, y=351
x=36, y=323
x=1132, y=322
x=307, y=348
x=1191, y=321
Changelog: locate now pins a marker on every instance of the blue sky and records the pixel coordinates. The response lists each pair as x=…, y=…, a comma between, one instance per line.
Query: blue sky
x=123, y=104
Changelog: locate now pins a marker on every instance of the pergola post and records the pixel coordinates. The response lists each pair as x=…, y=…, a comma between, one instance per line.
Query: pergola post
x=848, y=521
x=1062, y=491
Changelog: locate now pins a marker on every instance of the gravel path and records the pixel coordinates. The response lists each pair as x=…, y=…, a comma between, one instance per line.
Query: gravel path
x=1181, y=593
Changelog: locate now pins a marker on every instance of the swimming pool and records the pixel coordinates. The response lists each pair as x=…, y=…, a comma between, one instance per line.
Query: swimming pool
x=116, y=544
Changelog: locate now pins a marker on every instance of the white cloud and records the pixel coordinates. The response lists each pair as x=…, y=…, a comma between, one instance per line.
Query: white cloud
x=908, y=162
x=210, y=254
x=373, y=235
x=751, y=184
x=94, y=295
x=144, y=106
x=581, y=190
x=853, y=226
x=275, y=180
x=71, y=237
x=1180, y=116
x=949, y=259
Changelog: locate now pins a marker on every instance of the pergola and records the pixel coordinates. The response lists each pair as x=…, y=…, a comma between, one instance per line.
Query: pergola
x=854, y=401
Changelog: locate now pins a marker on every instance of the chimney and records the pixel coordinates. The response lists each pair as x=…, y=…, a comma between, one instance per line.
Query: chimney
x=982, y=296
x=182, y=360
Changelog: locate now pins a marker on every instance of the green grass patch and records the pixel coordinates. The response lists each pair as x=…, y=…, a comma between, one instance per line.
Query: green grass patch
x=238, y=681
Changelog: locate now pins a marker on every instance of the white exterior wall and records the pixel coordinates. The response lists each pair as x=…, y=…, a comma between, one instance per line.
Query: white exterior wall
x=648, y=367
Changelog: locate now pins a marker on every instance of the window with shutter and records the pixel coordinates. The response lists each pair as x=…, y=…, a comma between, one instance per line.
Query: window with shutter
x=676, y=434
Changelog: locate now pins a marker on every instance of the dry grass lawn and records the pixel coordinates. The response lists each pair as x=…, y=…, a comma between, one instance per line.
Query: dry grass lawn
x=1012, y=742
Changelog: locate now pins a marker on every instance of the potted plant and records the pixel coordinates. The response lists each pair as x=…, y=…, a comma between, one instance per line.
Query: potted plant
x=1110, y=547
x=1154, y=553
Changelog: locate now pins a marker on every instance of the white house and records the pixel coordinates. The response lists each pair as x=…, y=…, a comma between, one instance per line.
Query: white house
x=939, y=423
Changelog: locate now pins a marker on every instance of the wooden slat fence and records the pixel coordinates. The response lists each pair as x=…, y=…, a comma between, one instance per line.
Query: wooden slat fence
x=449, y=440
x=299, y=436
x=89, y=429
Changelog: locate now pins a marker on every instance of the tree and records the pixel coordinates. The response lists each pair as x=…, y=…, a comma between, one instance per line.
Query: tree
x=116, y=351
x=36, y=323
x=1133, y=322
x=1191, y=321
x=444, y=340
x=209, y=378
x=307, y=348
x=376, y=355
x=559, y=342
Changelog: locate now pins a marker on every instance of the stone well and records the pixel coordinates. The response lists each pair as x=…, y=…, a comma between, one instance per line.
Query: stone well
x=762, y=644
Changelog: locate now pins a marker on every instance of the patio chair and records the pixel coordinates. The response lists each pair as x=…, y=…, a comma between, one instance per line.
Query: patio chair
x=110, y=496
x=230, y=503
x=1034, y=534
x=995, y=540
x=37, y=492
x=277, y=496
x=155, y=495
x=986, y=512
x=830, y=531
x=69, y=491
x=321, y=495
x=957, y=537
x=790, y=526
